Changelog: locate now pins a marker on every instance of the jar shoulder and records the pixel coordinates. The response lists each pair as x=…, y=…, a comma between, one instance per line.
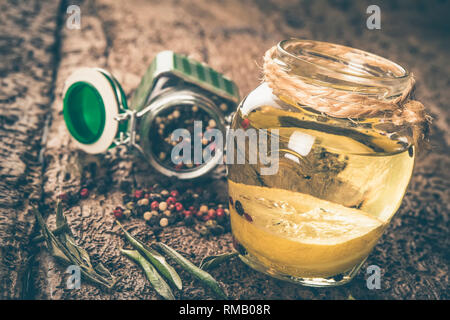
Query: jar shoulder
x=260, y=96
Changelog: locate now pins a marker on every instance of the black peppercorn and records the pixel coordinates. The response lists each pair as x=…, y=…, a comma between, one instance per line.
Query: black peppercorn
x=189, y=221
x=239, y=208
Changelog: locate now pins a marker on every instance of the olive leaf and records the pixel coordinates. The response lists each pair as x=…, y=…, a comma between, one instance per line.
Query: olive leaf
x=201, y=275
x=64, y=249
x=213, y=261
x=152, y=274
x=156, y=259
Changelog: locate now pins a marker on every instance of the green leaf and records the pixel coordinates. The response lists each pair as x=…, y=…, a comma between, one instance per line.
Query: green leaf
x=153, y=276
x=212, y=262
x=158, y=261
x=65, y=250
x=201, y=275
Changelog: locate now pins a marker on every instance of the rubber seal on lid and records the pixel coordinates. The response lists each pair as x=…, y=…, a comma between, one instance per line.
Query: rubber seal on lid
x=90, y=110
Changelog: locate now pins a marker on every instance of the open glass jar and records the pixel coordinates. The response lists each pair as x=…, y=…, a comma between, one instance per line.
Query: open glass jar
x=339, y=179
x=175, y=93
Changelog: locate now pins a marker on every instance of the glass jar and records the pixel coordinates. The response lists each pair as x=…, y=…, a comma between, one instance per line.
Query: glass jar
x=175, y=92
x=338, y=180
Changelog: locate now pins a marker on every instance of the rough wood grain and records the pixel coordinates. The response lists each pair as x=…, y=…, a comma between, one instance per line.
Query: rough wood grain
x=232, y=37
x=27, y=64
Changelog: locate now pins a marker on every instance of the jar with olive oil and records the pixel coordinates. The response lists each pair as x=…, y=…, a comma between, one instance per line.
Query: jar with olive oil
x=345, y=154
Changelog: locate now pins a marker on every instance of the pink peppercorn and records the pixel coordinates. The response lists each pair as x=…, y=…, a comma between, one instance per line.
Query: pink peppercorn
x=174, y=193
x=245, y=123
x=212, y=213
x=187, y=212
x=154, y=205
x=171, y=200
x=199, y=214
x=178, y=207
x=220, y=213
x=84, y=193
x=118, y=212
x=138, y=194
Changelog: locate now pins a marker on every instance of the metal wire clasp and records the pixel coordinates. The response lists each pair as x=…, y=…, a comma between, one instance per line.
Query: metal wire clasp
x=128, y=138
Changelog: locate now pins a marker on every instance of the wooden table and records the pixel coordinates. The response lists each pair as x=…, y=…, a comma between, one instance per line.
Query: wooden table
x=38, y=161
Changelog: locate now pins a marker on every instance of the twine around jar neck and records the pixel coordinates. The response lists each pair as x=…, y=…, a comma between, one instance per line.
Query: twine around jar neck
x=399, y=110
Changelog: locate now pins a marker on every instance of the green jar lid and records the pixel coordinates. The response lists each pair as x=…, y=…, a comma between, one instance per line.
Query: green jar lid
x=92, y=101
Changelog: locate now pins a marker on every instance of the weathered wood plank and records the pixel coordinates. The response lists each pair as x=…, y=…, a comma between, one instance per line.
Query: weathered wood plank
x=232, y=37
x=27, y=64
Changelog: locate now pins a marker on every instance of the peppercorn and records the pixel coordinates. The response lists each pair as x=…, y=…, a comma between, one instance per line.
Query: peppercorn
x=202, y=229
x=178, y=207
x=217, y=229
x=154, y=205
x=130, y=205
x=220, y=212
x=118, y=212
x=84, y=193
x=187, y=213
x=248, y=217
x=171, y=200
x=239, y=208
x=171, y=207
x=245, y=123
x=211, y=223
x=157, y=229
x=154, y=220
x=199, y=214
x=143, y=202
x=147, y=215
x=163, y=222
x=138, y=194
x=162, y=206
x=127, y=213
x=211, y=214
x=167, y=213
x=203, y=209
x=174, y=193
x=164, y=193
x=188, y=220
x=126, y=198
x=155, y=197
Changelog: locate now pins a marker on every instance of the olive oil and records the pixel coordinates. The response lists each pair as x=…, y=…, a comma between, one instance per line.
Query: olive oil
x=337, y=186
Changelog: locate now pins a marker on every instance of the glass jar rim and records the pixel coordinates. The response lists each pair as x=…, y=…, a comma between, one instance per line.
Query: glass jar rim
x=342, y=67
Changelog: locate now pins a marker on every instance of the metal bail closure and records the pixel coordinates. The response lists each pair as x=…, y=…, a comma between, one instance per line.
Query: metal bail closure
x=93, y=103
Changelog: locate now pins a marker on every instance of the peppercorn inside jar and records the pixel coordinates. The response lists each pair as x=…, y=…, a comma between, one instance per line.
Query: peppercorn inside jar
x=176, y=94
x=338, y=128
